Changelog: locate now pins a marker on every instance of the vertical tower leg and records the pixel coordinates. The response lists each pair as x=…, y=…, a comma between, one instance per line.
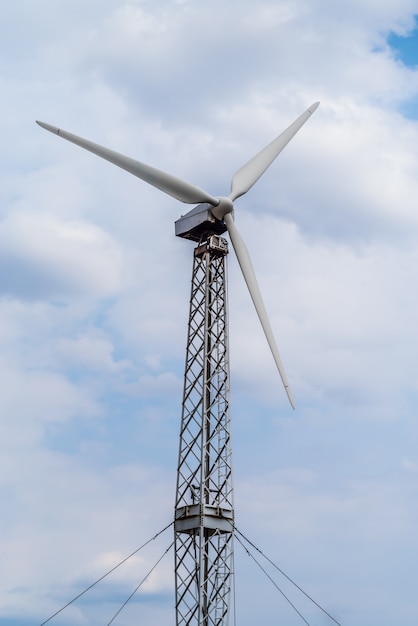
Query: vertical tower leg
x=204, y=515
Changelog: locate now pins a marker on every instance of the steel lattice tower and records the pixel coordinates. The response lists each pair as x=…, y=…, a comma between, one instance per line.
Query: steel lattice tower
x=204, y=514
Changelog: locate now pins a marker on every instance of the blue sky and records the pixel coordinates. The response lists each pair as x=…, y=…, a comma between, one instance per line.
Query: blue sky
x=94, y=292
x=405, y=46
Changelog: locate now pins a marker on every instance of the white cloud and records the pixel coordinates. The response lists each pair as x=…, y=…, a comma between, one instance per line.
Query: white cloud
x=43, y=257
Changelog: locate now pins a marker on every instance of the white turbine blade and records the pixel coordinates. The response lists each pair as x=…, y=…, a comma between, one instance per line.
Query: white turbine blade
x=173, y=186
x=249, y=276
x=249, y=173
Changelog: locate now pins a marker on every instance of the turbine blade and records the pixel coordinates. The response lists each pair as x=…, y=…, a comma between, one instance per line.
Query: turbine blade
x=173, y=186
x=249, y=173
x=249, y=276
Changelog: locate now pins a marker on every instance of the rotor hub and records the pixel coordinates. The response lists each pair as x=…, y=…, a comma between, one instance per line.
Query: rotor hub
x=220, y=210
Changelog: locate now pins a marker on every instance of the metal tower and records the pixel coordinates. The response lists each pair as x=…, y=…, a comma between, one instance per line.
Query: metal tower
x=204, y=514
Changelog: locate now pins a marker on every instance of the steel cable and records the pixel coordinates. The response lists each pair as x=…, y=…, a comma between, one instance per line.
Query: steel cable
x=282, y=573
x=105, y=575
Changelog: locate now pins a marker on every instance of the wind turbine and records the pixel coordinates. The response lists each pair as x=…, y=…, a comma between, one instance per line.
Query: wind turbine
x=204, y=512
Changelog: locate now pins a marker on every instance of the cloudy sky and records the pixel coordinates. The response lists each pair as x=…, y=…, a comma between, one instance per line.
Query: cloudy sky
x=94, y=290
